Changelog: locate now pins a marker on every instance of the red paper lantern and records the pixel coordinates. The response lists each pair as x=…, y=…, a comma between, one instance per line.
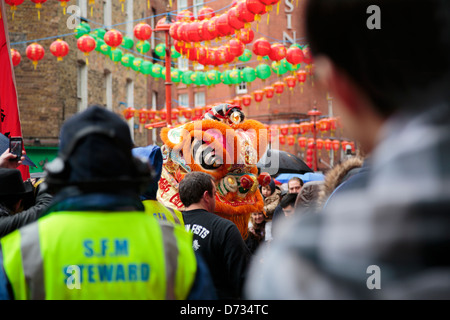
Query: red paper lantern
x=302, y=142
x=143, y=31
x=193, y=32
x=205, y=13
x=294, y=128
x=113, y=38
x=294, y=55
x=284, y=129
x=151, y=115
x=14, y=4
x=212, y=28
x=86, y=44
x=290, y=81
x=163, y=114
x=261, y=48
x=324, y=125
x=173, y=30
x=319, y=144
x=223, y=28
x=39, y=6
x=64, y=5
x=270, y=91
x=236, y=47
x=301, y=77
x=59, y=49
x=15, y=57
x=246, y=36
x=187, y=113
x=35, y=52
x=143, y=116
x=336, y=144
x=233, y=20
x=282, y=140
x=198, y=111
x=307, y=55
x=128, y=113
x=243, y=14
x=185, y=15
x=344, y=144
x=328, y=144
x=258, y=95
x=290, y=140
x=277, y=52
x=256, y=7
x=246, y=100
x=279, y=87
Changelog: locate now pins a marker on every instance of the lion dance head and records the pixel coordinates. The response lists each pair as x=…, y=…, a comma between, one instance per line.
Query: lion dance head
x=226, y=146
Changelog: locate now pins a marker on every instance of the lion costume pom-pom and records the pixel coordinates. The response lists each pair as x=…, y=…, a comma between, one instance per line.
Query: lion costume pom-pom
x=226, y=146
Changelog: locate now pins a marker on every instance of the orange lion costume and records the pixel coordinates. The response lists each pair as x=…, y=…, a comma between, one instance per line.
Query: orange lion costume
x=226, y=146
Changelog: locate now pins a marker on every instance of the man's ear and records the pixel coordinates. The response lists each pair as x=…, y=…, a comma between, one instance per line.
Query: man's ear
x=337, y=82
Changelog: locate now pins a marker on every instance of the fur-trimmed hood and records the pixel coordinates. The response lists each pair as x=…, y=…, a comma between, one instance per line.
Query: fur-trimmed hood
x=336, y=176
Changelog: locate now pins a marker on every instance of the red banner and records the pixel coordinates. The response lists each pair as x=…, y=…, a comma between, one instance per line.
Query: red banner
x=10, y=120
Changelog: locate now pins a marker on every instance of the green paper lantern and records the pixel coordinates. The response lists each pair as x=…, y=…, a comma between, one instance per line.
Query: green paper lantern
x=213, y=76
x=137, y=62
x=143, y=46
x=278, y=68
x=246, y=56
x=160, y=50
x=263, y=71
x=116, y=55
x=176, y=75
x=99, y=32
x=199, y=80
x=248, y=74
x=186, y=77
x=105, y=49
x=225, y=77
x=127, y=42
x=98, y=44
x=156, y=70
x=174, y=54
x=127, y=60
x=206, y=80
x=146, y=67
x=194, y=77
x=234, y=76
x=82, y=29
x=290, y=66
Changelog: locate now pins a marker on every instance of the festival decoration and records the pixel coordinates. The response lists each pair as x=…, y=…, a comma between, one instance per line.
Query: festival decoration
x=15, y=57
x=261, y=48
x=86, y=44
x=39, y=6
x=35, y=52
x=301, y=77
x=59, y=49
x=205, y=13
x=64, y=5
x=14, y=4
x=226, y=146
x=113, y=38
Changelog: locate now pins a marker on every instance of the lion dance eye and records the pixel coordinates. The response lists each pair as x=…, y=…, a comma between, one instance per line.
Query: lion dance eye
x=205, y=155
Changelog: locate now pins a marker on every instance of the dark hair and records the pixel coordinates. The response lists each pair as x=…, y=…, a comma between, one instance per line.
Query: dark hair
x=296, y=179
x=403, y=64
x=288, y=200
x=193, y=186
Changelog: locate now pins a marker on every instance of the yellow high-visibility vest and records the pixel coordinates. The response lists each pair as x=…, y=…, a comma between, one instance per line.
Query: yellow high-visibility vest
x=99, y=255
x=161, y=212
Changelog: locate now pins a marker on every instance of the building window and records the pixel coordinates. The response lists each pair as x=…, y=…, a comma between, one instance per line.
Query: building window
x=242, y=87
x=183, y=100
x=183, y=64
x=130, y=103
x=82, y=4
x=107, y=8
x=198, y=4
x=82, y=85
x=108, y=90
x=199, y=99
x=182, y=5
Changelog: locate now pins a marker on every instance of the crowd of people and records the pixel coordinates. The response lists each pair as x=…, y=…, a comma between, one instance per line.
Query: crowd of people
x=92, y=227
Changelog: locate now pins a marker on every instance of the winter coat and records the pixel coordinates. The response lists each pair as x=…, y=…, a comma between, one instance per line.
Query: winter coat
x=271, y=202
